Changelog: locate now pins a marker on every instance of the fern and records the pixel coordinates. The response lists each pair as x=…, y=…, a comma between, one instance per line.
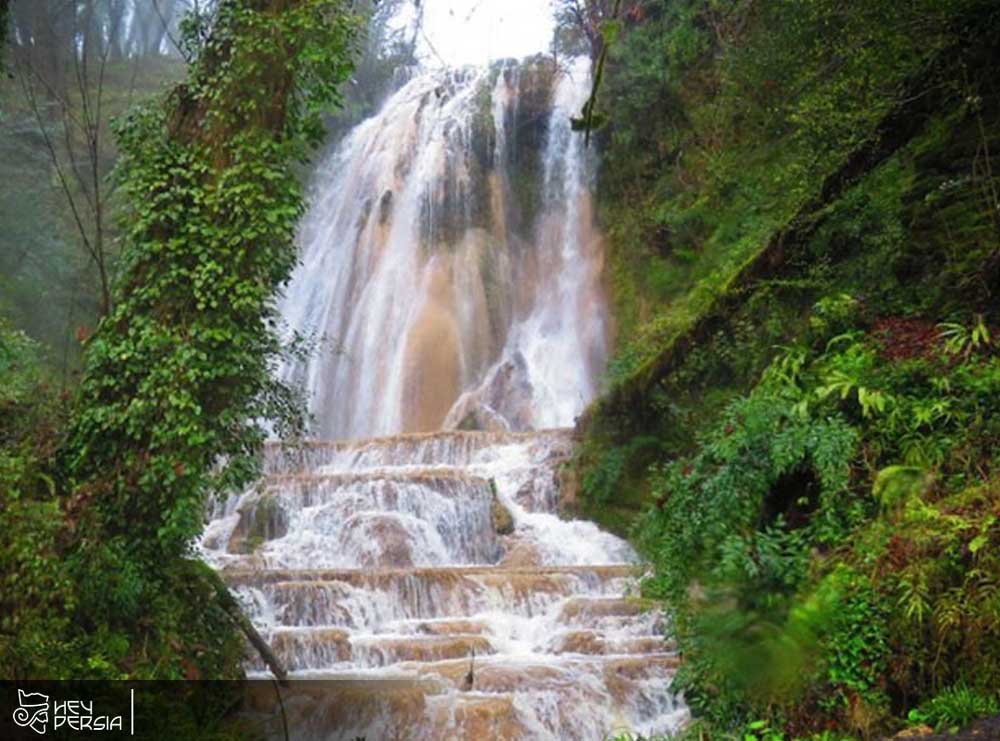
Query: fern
x=955, y=708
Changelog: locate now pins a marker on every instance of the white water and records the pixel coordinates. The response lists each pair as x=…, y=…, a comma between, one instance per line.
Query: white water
x=419, y=276
x=379, y=563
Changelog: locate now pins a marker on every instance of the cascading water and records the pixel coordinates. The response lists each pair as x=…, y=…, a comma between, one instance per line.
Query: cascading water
x=451, y=262
x=450, y=265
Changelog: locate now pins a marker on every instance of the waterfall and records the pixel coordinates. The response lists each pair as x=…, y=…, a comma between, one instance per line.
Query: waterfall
x=410, y=566
x=450, y=264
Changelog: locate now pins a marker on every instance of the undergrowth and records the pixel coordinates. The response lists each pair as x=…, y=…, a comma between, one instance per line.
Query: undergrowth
x=103, y=488
x=800, y=422
x=830, y=554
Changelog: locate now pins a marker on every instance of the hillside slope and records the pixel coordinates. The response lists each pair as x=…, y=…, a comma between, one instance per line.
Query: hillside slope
x=800, y=425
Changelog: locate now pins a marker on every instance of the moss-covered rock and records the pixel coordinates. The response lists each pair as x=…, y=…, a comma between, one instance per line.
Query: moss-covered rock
x=503, y=520
x=260, y=519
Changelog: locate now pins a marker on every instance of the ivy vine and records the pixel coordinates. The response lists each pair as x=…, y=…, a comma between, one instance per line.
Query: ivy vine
x=179, y=375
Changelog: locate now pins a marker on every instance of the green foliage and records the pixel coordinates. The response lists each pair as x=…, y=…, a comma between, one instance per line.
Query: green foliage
x=962, y=340
x=801, y=217
x=896, y=485
x=856, y=647
x=601, y=480
x=36, y=594
x=936, y=565
x=792, y=586
x=725, y=124
x=20, y=366
x=50, y=593
x=955, y=708
x=760, y=730
x=763, y=464
x=179, y=376
x=730, y=537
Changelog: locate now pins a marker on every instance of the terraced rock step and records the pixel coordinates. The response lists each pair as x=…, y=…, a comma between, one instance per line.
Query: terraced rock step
x=440, y=477
x=504, y=674
x=303, y=648
x=595, y=642
x=379, y=577
x=238, y=577
x=442, y=626
x=368, y=600
x=451, y=448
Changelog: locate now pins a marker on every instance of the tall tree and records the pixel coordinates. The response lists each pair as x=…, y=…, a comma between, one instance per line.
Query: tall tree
x=178, y=375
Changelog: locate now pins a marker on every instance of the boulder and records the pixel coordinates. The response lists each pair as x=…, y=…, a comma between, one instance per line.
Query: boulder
x=503, y=520
x=262, y=518
x=503, y=402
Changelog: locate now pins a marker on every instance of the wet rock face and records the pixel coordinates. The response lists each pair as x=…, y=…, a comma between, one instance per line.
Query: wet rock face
x=489, y=717
x=450, y=627
x=540, y=493
x=390, y=542
x=522, y=556
x=262, y=519
x=503, y=522
x=386, y=651
x=460, y=198
x=503, y=402
x=529, y=126
x=385, y=207
x=580, y=642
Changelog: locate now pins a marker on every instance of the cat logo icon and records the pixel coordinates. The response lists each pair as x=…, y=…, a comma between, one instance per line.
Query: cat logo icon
x=34, y=711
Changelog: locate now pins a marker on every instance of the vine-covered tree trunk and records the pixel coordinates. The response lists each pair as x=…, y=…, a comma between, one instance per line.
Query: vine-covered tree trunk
x=179, y=374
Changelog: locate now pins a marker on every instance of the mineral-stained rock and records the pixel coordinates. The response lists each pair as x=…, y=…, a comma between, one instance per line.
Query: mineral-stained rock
x=580, y=642
x=522, y=556
x=391, y=540
x=503, y=402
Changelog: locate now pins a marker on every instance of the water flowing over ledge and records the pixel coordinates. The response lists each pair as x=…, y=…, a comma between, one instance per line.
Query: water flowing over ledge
x=382, y=563
x=450, y=262
x=414, y=552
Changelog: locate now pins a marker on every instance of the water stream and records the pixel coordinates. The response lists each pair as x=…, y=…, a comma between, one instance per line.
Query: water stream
x=450, y=265
x=413, y=555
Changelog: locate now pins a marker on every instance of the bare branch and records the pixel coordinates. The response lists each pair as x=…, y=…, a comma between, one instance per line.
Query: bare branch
x=166, y=24
x=54, y=158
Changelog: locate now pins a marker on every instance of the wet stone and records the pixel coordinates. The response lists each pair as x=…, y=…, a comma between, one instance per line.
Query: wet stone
x=260, y=519
x=541, y=642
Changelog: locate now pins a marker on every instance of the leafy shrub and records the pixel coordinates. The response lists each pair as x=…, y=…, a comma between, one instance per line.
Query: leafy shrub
x=798, y=571
x=763, y=471
x=955, y=708
x=96, y=580
x=856, y=647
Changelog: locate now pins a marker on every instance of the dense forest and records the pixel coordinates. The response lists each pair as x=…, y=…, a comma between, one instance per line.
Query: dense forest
x=798, y=425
